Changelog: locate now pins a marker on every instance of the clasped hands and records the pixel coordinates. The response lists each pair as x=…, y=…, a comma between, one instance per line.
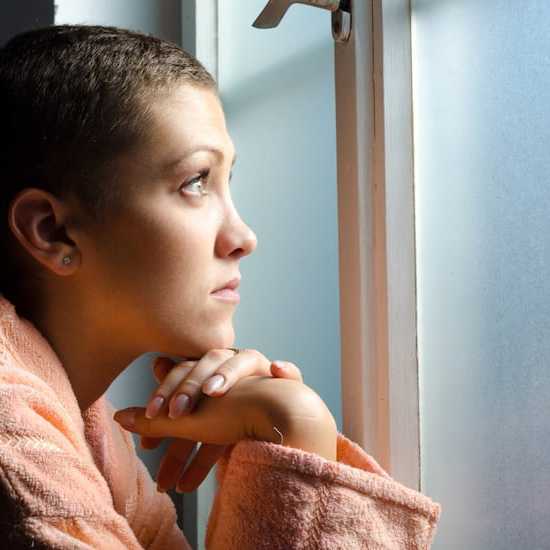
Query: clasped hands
x=264, y=395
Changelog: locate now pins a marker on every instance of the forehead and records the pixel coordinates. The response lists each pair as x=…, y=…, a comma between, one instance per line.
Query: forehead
x=187, y=119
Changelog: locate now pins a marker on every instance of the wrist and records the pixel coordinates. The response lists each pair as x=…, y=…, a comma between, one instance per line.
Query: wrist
x=305, y=424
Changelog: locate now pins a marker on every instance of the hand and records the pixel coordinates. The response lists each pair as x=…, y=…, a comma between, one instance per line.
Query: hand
x=188, y=377
x=250, y=411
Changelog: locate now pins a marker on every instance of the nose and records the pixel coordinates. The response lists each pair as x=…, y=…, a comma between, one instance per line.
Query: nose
x=236, y=238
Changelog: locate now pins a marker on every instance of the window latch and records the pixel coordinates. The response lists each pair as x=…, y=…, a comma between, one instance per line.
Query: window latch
x=341, y=15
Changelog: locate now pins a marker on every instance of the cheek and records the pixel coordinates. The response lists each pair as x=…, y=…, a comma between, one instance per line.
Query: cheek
x=153, y=276
x=166, y=256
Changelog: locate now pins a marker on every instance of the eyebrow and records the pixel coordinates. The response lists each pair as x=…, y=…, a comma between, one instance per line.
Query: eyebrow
x=209, y=148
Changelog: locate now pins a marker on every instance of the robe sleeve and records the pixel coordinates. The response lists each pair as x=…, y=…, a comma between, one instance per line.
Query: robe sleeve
x=277, y=497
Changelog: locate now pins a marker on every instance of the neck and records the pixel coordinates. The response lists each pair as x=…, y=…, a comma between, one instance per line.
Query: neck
x=85, y=351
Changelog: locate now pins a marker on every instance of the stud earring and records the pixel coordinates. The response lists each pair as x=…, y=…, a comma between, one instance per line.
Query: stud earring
x=67, y=260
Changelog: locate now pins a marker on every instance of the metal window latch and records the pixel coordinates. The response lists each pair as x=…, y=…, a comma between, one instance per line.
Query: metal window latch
x=341, y=15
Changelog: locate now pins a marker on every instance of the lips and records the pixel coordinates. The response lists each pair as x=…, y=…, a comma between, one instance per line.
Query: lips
x=233, y=284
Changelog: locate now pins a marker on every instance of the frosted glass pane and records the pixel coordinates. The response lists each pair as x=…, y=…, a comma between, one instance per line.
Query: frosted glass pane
x=481, y=76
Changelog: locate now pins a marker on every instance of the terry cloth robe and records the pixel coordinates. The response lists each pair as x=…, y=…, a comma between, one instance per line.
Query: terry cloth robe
x=72, y=479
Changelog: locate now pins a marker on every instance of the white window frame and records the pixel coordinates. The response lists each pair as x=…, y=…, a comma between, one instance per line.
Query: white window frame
x=380, y=375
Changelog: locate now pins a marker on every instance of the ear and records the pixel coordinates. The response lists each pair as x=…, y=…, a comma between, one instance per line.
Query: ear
x=38, y=221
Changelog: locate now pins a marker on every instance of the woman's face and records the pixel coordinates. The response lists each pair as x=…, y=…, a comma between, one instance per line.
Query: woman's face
x=147, y=276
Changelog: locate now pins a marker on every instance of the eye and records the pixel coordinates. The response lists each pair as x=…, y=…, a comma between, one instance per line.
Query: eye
x=200, y=179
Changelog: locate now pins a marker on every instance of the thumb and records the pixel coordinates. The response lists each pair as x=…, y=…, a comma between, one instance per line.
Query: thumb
x=134, y=420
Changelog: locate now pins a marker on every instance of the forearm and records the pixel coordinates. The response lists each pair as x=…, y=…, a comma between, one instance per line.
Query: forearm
x=312, y=436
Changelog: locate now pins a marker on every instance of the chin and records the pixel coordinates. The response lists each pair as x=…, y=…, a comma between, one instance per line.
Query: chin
x=201, y=346
x=217, y=343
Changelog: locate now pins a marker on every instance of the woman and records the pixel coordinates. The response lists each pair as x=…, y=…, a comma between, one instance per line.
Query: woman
x=120, y=229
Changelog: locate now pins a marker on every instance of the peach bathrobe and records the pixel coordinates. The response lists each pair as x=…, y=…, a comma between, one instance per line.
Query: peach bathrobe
x=73, y=480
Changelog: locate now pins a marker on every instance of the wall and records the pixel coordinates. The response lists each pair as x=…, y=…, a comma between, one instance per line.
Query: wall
x=481, y=77
x=161, y=17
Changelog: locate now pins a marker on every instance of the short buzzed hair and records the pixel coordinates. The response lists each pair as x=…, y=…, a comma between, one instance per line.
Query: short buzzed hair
x=72, y=97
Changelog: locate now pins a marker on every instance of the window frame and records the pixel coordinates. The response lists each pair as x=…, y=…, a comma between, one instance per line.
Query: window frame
x=374, y=111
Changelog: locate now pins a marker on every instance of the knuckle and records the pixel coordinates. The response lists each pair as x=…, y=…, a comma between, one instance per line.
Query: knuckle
x=261, y=357
x=257, y=356
x=217, y=354
x=177, y=374
x=190, y=386
x=187, y=363
x=183, y=366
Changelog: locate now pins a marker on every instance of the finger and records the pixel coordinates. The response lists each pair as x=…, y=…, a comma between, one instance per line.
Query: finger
x=248, y=362
x=203, y=461
x=150, y=442
x=201, y=426
x=187, y=392
x=159, y=398
x=161, y=367
x=173, y=463
x=286, y=369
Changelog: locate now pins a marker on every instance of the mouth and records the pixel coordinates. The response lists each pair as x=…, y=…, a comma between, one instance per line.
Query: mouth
x=232, y=284
x=227, y=295
x=229, y=289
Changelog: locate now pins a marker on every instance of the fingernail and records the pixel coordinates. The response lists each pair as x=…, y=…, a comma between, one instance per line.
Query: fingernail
x=178, y=406
x=214, y=384
x=126, y=418
x=161, y=489
x=280, y=366
x=154, y=406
